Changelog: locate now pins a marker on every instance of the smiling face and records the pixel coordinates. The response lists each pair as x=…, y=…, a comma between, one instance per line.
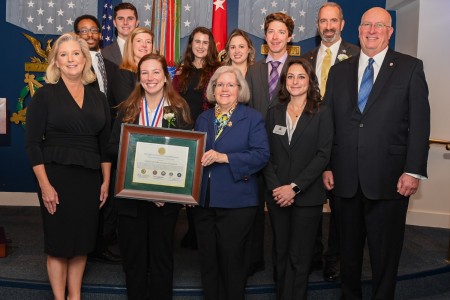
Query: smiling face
x=142, y=45
x=277, y=37
x=238, y=50
x=70, y=60
x=125, y=21
x=297, y=81
x=92, y=39
x=200, y=44
x=152, y=78
x=330, y=25
x=226, y=91
x=374, y=39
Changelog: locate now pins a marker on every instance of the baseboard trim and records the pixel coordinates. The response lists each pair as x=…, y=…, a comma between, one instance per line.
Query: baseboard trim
x=428, y=218
x=18, y=199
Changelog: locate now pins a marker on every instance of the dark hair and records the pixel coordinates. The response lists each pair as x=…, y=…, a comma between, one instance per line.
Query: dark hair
x=331, y=4
x=187, y=67
x=131, y=106
x=84, y=17
x=125, y=5
x=251, y=56
x=313, y=98
x=281, y=17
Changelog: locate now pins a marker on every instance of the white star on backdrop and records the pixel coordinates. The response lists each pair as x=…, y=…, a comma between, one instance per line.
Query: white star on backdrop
x=30, y=19
x=187, y=7
x=31, y=4
x=187, y=23
x=51, y=3
x=40, y=11
x=147, y=6
x=219, y=4
x=71, y=4
x=264, y=11
x=60, y=12
x=274, y=4
x=69, y=21
x=50, y=20
x=59, y=28
x=40, y=27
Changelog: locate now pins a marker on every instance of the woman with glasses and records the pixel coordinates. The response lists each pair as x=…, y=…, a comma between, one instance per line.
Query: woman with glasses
x=236, y=149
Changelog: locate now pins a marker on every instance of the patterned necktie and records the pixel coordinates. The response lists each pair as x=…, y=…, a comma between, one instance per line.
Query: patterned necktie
x=326, y=65
x=101, y=67
x=366, y=85
x=273, y=77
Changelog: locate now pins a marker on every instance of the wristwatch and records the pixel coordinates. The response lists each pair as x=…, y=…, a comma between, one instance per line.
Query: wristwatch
x=295, y=188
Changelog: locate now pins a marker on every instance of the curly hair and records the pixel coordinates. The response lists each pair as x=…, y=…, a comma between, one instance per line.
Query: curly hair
x=313, y=97
x=280, y=17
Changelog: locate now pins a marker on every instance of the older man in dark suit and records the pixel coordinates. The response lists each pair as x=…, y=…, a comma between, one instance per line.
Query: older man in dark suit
x=379, y=103
x=332, y=49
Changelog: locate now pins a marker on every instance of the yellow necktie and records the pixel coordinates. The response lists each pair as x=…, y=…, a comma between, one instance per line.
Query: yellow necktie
x=326, y=65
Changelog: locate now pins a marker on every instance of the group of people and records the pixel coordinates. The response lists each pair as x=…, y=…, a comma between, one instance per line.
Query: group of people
x=284, y=133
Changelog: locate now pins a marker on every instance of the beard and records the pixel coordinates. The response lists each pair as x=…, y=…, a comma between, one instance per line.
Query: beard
x=330, y=39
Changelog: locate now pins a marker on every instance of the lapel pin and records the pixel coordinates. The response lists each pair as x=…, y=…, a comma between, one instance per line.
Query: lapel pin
x=344, y=51
x=391, y=64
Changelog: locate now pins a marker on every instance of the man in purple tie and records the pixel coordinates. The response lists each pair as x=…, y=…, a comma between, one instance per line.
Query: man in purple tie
x=262, y=79
x=379, y=102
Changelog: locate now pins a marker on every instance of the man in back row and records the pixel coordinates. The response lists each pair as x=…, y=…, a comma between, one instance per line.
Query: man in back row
x=332, y=49
x=125, y=20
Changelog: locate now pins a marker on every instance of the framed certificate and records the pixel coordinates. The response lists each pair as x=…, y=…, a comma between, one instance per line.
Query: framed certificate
x=160, y=164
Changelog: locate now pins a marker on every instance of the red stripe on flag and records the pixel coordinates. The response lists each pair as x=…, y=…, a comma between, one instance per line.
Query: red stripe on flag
x=219, y=23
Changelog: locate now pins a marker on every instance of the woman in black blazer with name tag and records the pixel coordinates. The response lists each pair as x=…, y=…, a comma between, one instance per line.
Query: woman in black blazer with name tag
x=300, y=135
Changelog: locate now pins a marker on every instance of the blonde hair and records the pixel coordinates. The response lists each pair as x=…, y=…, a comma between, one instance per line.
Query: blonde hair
x=128, y=62
x=244, y=92
x=53, y=73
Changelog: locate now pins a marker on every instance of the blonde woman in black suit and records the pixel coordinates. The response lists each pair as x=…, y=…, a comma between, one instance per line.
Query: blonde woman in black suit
x=300, y=136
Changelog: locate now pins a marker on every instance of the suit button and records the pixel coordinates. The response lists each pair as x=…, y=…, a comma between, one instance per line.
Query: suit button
x=361, y=125
x=245, y=178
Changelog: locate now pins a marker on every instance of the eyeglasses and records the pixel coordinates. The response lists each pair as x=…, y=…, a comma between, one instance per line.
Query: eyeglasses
x=221, y=85
x=377, y=26
x=85, y=31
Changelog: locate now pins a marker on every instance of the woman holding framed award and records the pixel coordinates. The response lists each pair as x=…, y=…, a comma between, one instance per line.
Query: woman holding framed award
x=146, y=228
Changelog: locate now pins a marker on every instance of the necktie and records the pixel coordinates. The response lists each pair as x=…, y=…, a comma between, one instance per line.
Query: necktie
x=101, y=67
x=366, y=85
x=326, y=65
x=273, y=77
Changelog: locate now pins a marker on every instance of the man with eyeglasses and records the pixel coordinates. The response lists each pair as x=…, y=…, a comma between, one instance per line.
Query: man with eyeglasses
x=125, y=20
x=332, y=49
x=88, y=28
x=379, y=102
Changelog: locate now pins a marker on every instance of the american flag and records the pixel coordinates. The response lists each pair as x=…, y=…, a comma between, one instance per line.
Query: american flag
x=195, y=13
x=107, y=23
x=48, y=16
x=252, y=14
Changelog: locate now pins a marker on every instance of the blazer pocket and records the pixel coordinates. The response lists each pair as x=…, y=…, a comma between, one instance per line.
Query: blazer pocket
x=397, y=150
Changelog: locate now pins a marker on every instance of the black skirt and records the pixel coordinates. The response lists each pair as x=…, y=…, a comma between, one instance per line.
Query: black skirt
x=71, y=231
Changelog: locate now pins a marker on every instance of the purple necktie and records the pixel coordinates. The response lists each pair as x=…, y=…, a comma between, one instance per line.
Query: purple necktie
x=273, y=77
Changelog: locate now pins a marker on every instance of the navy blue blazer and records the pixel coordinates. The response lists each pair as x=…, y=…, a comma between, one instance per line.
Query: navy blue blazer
x=235, y=184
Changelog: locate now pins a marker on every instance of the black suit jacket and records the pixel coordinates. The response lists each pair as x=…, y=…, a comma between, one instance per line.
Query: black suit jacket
x=112, y=53
x=372, y=149
x=258, y=82
x=305, y=158
x=111, y=70
x=345, y=48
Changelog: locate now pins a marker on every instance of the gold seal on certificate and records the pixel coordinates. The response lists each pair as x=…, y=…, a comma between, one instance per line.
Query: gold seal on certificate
x=160, y=159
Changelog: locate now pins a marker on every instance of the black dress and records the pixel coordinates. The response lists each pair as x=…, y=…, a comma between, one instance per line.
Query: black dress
x=70, y=142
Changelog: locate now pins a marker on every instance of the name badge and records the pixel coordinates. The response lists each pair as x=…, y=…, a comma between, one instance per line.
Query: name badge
x=280, y=130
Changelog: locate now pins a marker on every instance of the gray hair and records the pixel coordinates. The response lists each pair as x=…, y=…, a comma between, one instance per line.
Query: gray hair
x=244, y=92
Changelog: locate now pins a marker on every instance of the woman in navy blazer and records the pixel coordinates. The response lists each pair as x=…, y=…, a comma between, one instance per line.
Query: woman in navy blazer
x=236, y=149
x=300, y=136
